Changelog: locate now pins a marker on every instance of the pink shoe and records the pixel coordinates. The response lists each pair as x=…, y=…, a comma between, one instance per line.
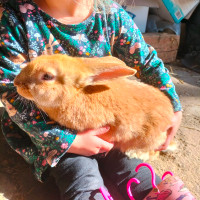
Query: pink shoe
x=171, y=188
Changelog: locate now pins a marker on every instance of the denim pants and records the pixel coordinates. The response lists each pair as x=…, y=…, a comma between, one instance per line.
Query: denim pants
x=79, y=177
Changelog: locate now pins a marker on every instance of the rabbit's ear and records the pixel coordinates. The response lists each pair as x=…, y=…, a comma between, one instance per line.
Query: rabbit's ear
x=105, y=68
x=115, y=71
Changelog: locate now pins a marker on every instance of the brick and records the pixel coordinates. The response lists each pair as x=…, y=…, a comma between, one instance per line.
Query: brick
x=165, y=44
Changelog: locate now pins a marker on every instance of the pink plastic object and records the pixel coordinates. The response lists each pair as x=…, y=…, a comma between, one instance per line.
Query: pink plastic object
x=166, y=173
x=153, y=180
x=105, y=194
x=129, y=187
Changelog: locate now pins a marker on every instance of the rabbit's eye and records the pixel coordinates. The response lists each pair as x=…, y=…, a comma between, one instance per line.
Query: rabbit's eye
x=48, y=77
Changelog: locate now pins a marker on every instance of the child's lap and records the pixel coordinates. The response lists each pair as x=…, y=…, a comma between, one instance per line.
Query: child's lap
x=79, y=174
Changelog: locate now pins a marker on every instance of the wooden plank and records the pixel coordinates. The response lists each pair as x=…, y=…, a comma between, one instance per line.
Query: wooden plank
x=165, y=44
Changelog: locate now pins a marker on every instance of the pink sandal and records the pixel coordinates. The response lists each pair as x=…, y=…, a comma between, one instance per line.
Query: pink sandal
x=171, y=188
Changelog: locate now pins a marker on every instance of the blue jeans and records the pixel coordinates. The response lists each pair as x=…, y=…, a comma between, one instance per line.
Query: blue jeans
x=79, y=177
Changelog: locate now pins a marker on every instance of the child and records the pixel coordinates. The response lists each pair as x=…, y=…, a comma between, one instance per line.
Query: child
x=78, y=28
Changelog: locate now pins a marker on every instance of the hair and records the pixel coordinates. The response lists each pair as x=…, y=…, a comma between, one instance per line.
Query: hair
x=106, y=2
x=104, y=5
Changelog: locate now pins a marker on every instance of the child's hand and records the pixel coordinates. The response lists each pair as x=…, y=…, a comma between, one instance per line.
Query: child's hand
x=87, y=143
x=171, y=131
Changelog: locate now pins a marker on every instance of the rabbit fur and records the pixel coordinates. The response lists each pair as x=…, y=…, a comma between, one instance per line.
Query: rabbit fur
x=88, y=93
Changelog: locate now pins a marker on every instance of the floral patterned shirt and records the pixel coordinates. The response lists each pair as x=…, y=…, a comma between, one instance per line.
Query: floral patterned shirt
x=26, y=32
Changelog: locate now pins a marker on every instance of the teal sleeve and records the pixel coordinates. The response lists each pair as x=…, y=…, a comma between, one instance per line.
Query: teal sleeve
x=27, y=129
x=132, y=49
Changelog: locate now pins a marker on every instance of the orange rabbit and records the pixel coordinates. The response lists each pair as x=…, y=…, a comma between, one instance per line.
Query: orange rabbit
x=88, y=93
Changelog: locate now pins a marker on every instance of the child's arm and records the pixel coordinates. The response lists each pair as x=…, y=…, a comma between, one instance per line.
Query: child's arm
x=50, y=140
x=132, y=49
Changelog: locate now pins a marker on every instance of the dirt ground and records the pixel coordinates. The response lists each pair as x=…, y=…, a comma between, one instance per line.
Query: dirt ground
x=18, y=183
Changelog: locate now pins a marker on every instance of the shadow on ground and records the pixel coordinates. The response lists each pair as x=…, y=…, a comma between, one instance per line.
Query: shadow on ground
x=184, y=79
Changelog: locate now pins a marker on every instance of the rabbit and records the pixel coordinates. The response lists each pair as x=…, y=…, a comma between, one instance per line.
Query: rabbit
x=88, y=93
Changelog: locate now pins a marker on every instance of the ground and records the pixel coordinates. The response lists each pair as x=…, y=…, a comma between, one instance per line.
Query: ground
x=18, y=183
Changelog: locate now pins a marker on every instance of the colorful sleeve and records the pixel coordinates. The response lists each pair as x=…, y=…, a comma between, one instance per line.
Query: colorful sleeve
x=132, y=49
x=32, y=126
